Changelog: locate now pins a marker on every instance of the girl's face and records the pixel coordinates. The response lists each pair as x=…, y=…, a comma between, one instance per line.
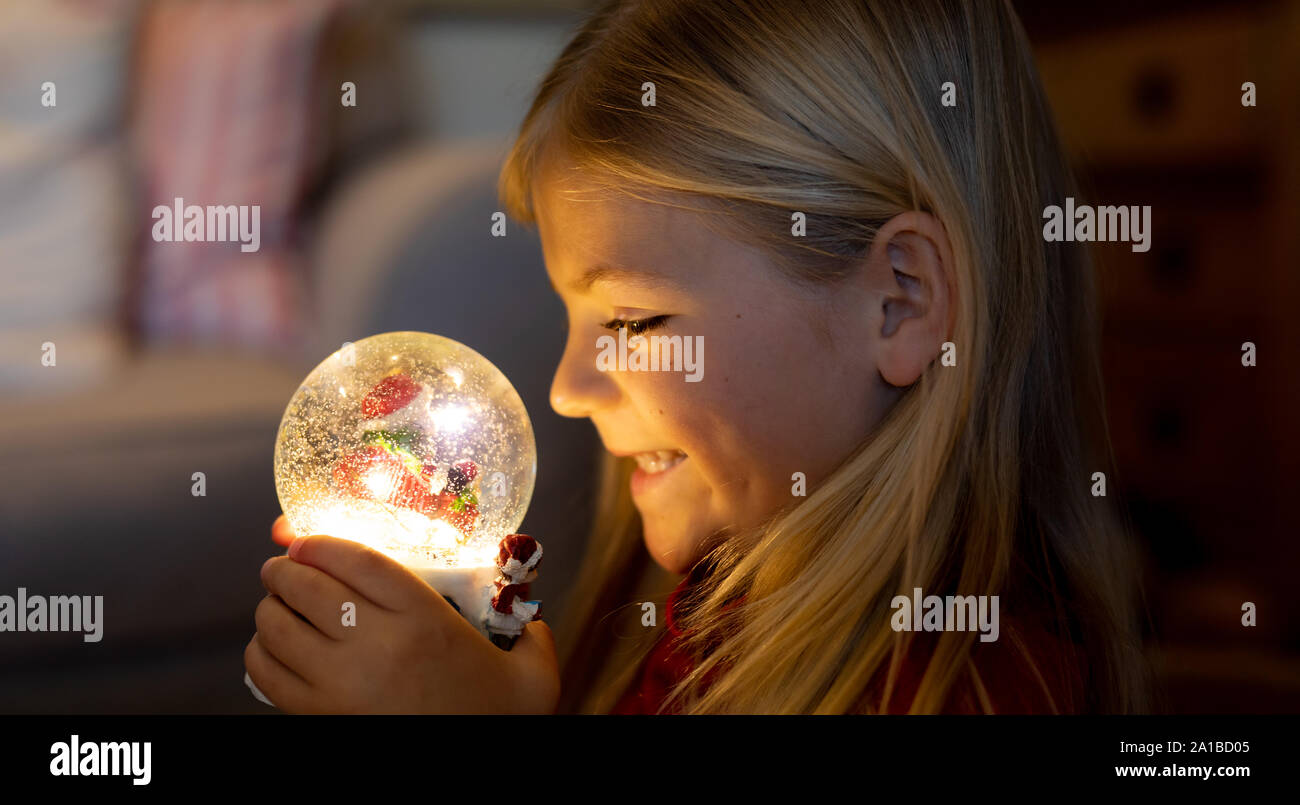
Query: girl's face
x=786, y=383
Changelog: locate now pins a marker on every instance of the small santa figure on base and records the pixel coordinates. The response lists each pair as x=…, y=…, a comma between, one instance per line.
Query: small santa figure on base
x=517, y=563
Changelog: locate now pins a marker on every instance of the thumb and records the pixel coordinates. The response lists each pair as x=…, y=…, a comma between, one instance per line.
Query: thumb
x=281, y=531
x=534, y=655
x=536, y=643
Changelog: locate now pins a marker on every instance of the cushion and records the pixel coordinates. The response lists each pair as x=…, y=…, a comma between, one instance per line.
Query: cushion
x=227, y=92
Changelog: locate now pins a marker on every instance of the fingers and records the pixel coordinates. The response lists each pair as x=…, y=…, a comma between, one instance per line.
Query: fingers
x=312, y=593
x=277, y=682
x=281, y=531
x=288, y=638
x=377, y=577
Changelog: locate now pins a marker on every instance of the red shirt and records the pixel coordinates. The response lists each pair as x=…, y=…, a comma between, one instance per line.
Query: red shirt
x=1011, y=684
x=661, y=670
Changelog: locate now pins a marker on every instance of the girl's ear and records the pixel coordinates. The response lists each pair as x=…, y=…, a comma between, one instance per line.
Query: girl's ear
x=909, y=270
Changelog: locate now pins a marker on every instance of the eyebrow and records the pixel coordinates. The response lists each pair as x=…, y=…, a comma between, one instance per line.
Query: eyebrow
x=601, y=272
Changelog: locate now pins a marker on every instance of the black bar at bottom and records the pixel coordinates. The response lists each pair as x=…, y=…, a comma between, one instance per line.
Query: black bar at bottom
x=720, y=756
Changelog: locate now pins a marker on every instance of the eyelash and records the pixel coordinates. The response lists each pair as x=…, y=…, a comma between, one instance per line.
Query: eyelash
x=636, y=326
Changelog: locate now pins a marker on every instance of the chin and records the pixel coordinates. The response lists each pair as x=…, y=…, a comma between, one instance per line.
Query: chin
x=673, y=553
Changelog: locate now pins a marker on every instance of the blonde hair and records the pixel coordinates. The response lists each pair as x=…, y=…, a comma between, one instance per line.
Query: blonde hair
x=978, y=480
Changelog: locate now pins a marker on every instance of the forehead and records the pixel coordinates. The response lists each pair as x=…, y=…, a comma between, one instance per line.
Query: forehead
x=588, y=224
x=575, y=210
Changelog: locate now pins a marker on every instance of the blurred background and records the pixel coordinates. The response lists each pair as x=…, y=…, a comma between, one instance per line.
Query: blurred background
x=178, y=358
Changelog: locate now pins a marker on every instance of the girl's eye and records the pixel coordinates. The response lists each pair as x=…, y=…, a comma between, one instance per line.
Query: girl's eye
x=636, y=326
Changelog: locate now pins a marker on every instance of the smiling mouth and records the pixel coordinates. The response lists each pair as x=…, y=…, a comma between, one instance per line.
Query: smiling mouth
x=658, y=461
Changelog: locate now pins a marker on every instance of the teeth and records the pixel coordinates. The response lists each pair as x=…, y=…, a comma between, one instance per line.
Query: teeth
x=659, y=460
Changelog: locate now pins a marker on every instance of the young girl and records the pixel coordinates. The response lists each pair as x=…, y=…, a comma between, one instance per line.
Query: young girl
x=840, y=203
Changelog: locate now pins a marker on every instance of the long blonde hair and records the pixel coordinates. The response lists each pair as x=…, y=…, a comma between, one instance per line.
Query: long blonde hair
x=978, y=480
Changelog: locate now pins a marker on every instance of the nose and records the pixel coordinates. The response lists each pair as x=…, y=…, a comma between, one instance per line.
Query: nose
x=579, y=389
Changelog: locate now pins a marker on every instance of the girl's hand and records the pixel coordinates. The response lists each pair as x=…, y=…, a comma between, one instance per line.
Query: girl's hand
x=408, y=652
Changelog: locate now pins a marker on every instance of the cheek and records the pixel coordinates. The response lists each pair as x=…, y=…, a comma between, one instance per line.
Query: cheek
x=777, y=407
x=749, y=424
x=772, y=402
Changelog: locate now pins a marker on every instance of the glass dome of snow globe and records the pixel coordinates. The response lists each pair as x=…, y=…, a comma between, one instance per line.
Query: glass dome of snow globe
x=413, y=444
